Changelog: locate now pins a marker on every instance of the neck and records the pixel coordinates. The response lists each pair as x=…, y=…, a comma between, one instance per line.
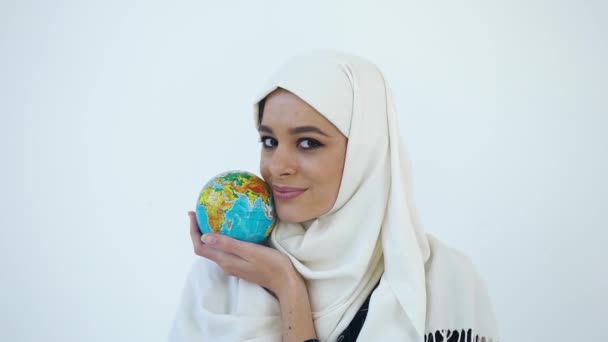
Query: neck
x=307, y=224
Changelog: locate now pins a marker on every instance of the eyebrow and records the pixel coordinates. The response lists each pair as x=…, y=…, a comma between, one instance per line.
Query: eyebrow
x=295, y=130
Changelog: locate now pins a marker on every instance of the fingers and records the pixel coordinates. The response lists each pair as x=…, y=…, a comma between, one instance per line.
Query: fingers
x=231, y=255
x=215, y=241
x=242, y=249
x=218, y=248
x=230, y=263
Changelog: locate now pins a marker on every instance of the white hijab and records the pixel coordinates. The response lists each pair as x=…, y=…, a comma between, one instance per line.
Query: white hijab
x=372, y=234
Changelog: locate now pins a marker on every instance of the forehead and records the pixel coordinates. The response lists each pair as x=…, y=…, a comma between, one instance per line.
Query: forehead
x=285, y=108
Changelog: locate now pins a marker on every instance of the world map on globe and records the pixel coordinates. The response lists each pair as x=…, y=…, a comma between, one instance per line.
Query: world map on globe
x=238, y=204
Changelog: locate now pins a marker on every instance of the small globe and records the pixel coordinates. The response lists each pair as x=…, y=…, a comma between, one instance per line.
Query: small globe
x=238, y=204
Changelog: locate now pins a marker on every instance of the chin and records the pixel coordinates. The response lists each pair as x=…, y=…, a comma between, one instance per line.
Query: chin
x=296, y=215
x=291, y=217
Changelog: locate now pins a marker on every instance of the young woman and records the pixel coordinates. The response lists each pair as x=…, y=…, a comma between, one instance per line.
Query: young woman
x=348, y=259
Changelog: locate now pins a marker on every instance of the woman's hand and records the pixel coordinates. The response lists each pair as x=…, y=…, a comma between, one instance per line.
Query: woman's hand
x=258, y=264
x=266, y=267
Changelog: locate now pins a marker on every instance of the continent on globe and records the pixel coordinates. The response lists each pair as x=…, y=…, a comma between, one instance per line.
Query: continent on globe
x=238, y=204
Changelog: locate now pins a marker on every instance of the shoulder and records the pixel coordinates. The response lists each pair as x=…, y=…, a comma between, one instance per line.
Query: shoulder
x=457, y=297
x=450, y=264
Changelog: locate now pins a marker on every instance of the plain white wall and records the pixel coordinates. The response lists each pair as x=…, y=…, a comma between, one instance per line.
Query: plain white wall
x=115, y=113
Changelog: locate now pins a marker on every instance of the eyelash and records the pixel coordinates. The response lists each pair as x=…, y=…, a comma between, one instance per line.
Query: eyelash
x=314, y=143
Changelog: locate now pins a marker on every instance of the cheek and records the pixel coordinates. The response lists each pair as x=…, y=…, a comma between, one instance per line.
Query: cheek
x=264, y=168
x=333, y=176
x=333, y=171
x=328, y=172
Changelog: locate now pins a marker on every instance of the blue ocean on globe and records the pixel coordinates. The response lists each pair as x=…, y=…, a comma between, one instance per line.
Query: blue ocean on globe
x=253, y=230
x=238, y=204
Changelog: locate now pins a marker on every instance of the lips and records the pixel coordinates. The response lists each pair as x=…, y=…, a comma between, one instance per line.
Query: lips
x=284, y=193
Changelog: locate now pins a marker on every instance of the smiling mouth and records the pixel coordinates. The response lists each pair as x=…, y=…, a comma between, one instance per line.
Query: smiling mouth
x=286, y=193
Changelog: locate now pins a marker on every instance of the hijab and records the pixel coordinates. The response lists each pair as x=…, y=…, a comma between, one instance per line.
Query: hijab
x=371, y=236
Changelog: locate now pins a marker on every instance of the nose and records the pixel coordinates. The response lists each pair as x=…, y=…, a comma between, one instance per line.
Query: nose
x=283, y=162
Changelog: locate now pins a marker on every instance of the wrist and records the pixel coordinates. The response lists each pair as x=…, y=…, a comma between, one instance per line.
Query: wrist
x=296, y=313
x=292, y=286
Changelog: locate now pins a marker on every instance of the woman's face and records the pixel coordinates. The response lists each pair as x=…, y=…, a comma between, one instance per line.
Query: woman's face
x=302, y=157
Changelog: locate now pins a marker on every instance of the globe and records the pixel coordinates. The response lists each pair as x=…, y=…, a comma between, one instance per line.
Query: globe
x=238, y=204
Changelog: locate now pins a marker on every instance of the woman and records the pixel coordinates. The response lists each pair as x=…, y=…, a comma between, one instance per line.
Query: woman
x=348, y=259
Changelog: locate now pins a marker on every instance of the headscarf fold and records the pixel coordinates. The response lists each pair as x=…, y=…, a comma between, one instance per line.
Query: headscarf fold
x=371, y=236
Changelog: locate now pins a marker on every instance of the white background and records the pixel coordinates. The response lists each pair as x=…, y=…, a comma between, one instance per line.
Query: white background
x=115, y=113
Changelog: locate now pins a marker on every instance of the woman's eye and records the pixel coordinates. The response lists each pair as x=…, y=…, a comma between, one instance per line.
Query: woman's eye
x=268, y=142
x=309, y=144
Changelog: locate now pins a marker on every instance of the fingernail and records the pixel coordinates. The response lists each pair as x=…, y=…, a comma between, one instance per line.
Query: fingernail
x=209, y=239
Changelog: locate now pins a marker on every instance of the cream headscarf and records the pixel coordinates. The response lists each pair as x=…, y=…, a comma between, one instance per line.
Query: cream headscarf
x=372, y=234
